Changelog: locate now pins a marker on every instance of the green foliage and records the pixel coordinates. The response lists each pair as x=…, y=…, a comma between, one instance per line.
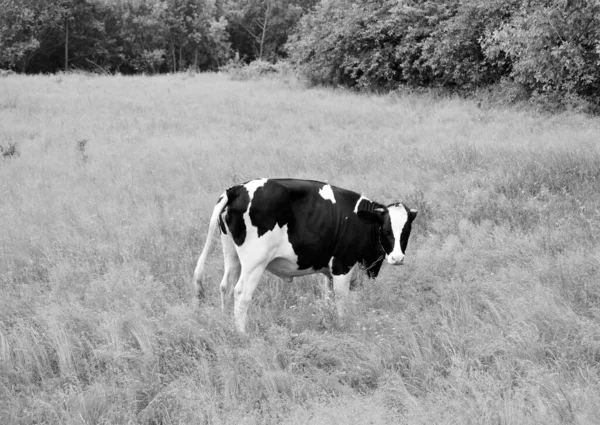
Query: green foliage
x=196, y=38
x=171, y=35
x=26, y=27
x=260, y=28
x=554, y=47
x=359, y=43
x=344, y=42
x=549, y=48
x=218, y=47
x=102, y=35
x=372, y=44
x=454, y=50
x=149, y=36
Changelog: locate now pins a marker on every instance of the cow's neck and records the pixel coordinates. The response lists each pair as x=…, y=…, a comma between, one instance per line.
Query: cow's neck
x=373, y=253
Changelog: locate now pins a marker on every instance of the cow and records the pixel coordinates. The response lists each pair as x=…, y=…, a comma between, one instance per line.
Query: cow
x=293, y=227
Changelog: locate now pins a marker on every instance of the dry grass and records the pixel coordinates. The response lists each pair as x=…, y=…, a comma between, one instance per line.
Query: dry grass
x=494, y=319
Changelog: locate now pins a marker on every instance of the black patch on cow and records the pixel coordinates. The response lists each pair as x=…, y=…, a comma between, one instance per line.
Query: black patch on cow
x=270, y=206
x=370, y=212
x=340, y=267
x=312, y=223
x=319, y=229
x=237, y=205
x=222, y=226
x=386, y=235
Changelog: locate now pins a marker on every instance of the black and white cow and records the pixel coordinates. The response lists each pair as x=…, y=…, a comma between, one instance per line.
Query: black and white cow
x=297, y=227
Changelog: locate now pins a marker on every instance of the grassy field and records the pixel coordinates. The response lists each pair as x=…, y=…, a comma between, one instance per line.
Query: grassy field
x=494, y=319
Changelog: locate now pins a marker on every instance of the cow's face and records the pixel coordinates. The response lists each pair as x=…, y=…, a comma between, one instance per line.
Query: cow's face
x=395, y=223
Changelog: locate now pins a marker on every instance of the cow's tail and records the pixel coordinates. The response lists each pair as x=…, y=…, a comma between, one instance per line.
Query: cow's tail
x=214, y=220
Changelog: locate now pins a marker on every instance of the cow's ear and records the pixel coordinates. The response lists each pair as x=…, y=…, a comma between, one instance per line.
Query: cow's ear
x=412, y=214
x=371, y=212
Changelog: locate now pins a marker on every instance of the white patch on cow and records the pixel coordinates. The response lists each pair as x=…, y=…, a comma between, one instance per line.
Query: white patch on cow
x=398, y=217
x=274, y=249
x=358, y=203
x=251, y=231
x=256, y=255
x=327, y=193
x=252, y=185
x=284, y=261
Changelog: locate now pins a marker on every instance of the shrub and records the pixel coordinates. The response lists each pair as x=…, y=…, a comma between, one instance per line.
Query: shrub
x=10, y=150
x=554, y=47
x=383, y=44
x=256, y=69
x=549, y=49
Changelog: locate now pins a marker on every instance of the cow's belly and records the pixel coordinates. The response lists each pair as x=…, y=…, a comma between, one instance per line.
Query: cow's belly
x=286, y=267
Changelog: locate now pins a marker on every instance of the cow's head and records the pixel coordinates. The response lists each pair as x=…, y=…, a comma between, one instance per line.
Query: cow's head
x=394, y=223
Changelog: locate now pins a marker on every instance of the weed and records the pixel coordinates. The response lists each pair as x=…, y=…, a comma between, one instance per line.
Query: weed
x=81, y=146
x=11, y=150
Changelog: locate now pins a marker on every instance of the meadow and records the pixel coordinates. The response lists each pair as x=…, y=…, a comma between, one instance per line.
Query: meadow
x=104, y=208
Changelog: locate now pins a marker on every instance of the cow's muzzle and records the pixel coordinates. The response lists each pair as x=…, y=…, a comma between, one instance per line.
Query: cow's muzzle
x=395, y=260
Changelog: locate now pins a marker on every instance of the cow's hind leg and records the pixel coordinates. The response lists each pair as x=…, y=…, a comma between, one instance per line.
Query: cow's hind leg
x=249, y=278
x=231, y=272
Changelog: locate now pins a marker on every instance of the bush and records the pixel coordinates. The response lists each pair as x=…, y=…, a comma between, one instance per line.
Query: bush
x=554, y=47
x=381, y=45
x=256, y=69
x=349, y=43
x=10, y=150
x=549, y=49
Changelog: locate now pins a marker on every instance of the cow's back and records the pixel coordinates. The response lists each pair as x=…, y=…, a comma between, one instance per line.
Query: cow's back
x=323, y=223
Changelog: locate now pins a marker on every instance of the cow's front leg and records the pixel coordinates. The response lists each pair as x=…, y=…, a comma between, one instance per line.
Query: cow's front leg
x=341, y=289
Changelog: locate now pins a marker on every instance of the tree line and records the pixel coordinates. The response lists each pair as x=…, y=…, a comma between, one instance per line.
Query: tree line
x=541, y=48
x=149, y=36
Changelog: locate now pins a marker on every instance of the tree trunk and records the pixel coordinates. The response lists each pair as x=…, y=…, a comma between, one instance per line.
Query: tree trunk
x=173, y=56
x=264, y=28
x=66, y=44
x=180, y=54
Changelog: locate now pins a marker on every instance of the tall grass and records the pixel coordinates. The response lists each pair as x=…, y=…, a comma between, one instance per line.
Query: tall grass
x=493, y=320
